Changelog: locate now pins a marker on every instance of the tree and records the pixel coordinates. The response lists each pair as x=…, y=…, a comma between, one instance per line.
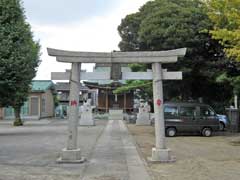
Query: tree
x=225, y=14
x=170, y=24
x=19, y=56
x=143, y=87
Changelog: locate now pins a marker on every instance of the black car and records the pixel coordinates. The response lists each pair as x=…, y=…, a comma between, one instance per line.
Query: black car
x=190, y=117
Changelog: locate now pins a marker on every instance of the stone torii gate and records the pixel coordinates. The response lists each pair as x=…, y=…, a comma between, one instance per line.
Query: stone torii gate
x=160, y=153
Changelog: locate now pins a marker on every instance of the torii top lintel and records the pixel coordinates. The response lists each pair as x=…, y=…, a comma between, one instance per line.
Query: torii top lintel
x=117, y=57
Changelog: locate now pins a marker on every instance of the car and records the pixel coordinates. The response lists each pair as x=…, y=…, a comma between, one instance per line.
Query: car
x=185, y=117
x=224, y=122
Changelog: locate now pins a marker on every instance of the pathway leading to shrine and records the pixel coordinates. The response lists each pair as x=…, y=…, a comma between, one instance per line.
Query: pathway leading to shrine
x=115, y=156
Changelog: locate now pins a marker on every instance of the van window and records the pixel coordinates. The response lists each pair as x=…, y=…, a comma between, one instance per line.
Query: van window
x=188, y=111
x=171, y=111
x=206, y=111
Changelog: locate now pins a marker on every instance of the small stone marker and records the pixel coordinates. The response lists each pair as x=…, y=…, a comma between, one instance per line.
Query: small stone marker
x=86, y=114
x=115, y=114
x=143, y=117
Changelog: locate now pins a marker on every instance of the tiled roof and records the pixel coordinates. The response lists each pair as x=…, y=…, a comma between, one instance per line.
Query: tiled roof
x=41, y=85
x=60, y=86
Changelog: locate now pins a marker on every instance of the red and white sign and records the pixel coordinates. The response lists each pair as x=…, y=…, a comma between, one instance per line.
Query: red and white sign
x=159, y=102
x=73, y=103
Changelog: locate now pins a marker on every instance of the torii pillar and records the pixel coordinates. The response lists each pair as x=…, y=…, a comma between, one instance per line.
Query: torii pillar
x=72, y=154
x=160, y=153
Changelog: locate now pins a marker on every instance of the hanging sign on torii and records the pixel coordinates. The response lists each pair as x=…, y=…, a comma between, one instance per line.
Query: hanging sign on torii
x=159, y=153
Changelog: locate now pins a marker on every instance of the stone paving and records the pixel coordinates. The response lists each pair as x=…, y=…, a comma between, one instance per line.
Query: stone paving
x=30, y=152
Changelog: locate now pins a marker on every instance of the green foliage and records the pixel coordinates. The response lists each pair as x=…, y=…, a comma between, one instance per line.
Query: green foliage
x=164, y=25
x=170, y=24
x=232, y=81
x=222, y=78
x=144, y=88
x=138, y=67
x=225, y=15
x=128, y=31
x=55, y=100
x=19, y=55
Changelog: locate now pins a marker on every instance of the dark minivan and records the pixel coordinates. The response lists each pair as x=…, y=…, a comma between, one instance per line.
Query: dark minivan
x=190, y=117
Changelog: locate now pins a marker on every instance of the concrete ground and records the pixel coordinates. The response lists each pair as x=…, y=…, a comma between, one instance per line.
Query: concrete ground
x=198, y=158
x=30, y=152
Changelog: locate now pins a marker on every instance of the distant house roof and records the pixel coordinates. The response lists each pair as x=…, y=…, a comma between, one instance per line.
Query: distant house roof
x=112, y=85
x=41, y=85
x=60, y=86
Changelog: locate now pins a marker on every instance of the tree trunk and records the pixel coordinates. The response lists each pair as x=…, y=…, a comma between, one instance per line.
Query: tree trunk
x=18, y=121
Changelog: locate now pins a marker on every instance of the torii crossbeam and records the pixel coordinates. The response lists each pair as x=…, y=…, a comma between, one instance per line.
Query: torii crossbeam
x=160, y=152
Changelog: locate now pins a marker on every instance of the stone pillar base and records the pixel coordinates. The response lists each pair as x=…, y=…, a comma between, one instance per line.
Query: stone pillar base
x=87, y=122
x=162, y=156
x=143, y=120
x=71, y=156
x=143, y=123
x=87, y=119
x=115, y=114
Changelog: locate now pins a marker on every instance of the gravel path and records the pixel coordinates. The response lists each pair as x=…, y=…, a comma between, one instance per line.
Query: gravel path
x=198, y=158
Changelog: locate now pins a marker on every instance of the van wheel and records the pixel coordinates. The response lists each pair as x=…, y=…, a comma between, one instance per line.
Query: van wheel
x=207, y=132
x=171, y=132
x=221, y=126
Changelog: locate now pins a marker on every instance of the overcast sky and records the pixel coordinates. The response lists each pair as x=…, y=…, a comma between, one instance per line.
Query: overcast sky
x=80, y=25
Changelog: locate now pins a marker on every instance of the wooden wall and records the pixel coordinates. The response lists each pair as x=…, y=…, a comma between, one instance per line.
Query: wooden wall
x=111, y=100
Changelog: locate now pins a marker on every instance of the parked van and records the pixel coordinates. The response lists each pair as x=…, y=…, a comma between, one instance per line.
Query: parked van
x=190, y=117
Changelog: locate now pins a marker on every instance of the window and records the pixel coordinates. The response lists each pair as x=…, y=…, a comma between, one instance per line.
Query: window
x=206, y=111
x=188, y=111
x=8, y=112
x=25, y=108
x=170, y=111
